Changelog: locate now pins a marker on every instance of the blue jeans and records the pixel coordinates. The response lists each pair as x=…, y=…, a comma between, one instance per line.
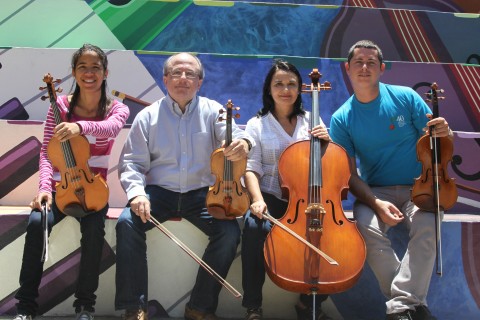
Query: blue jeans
x=254, y=234
x=92, y=228
x=132, y=272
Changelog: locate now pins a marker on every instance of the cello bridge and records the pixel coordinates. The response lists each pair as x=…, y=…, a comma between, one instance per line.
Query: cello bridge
x=315, y=213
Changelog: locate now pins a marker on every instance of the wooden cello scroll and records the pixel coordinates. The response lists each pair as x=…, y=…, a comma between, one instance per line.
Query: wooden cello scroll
x=434, y=191
x=316, y=174
x=227, y=198
x=79, y=192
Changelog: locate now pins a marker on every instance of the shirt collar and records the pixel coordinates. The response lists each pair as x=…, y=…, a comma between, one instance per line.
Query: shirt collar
x=176, y=109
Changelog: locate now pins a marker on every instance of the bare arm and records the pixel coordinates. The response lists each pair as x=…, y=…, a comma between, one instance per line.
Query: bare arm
x=385, y=210
x=258, y=205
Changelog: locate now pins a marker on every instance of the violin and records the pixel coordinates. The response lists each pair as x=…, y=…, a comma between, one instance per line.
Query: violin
x=79, y=192
x=434, y=191
x=227, y=198
x=316, y=174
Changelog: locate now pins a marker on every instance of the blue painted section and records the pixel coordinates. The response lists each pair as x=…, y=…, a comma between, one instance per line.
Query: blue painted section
x=449, y=296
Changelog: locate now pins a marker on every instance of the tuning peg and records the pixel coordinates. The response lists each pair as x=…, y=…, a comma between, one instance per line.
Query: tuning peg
x=237, y=115
x=44, y=98
x=59, y=90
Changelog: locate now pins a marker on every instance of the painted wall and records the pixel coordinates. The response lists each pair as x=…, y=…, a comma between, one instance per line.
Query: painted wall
x=424, y=42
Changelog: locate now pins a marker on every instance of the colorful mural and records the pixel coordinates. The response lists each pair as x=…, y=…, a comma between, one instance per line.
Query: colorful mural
x=423, y=42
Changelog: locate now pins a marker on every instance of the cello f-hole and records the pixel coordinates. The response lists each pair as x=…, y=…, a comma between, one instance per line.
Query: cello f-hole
x=290, y=221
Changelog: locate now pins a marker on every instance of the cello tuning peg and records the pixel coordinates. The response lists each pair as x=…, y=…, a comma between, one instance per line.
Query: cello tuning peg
x=42, y=88
x=237, y=115
x=44, y=98
x=236, y=108
x=59, y=90
x=221, y=111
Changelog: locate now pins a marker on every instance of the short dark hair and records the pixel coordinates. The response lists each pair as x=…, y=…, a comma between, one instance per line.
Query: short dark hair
x=368, y=45
x=268, y=103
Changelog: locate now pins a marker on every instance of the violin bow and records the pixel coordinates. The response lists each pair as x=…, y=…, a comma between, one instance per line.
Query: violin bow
x=44, y=223
x=192, y=254
x=433, y=97
x=269, y=217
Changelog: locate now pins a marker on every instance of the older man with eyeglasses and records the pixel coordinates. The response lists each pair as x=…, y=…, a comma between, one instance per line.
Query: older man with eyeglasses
x=165, y=171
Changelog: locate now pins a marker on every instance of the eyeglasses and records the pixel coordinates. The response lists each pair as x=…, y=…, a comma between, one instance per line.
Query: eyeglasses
x=189, y=74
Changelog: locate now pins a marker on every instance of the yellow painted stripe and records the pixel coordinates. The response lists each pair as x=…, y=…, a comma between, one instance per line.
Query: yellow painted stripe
x=213, y=3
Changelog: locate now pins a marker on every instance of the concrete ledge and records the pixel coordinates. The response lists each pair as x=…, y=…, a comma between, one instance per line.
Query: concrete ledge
x=455, y=295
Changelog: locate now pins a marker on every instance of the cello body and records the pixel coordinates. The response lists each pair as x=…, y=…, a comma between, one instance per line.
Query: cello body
x=316, y=174
x=295, y=267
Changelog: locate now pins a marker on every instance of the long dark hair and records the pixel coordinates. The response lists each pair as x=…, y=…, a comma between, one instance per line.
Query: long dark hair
x=104, y=100
x=268, y=103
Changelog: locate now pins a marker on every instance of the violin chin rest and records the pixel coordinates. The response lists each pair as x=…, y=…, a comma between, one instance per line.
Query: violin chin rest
x=76, y=210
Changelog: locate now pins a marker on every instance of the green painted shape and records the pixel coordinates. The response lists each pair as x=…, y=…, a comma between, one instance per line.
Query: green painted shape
x=47, y=24
x=137, y=23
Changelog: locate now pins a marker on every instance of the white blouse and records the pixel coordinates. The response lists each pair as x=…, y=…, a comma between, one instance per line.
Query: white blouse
x=270, y=141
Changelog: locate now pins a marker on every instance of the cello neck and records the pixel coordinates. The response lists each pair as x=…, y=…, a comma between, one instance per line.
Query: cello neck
x=315, y=175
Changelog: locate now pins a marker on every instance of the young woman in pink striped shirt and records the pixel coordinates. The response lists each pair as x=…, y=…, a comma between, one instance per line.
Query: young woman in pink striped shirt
x=89, y=112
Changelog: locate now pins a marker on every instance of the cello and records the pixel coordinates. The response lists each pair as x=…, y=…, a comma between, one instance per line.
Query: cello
x=316, y=174
x=434, y=191
x=227, y=199
x=80, y=192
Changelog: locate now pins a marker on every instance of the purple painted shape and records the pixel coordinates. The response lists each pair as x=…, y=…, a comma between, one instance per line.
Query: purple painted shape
x=13, y=109
x=11, y=227
x=18, y=164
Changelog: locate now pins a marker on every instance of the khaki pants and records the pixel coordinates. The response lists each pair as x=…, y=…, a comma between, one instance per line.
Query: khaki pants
x=404, y=282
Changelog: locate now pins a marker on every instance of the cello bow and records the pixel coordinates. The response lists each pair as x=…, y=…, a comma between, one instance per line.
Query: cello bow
x=270, y=218
x=195, y=257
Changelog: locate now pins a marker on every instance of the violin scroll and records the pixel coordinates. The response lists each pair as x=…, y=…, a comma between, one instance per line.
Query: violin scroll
x=50, y=87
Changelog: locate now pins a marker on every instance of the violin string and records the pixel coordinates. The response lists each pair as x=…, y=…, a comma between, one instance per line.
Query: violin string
x=226, y=175
x=70, y=162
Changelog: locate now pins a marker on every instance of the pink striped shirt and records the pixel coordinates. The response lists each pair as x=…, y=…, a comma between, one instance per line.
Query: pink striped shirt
x=100, y=133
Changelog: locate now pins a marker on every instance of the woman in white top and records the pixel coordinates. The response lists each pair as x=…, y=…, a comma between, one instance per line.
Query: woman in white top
x=280, y=122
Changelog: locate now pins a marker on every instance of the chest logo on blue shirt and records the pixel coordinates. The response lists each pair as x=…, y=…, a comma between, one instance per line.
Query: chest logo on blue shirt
x=400, y=120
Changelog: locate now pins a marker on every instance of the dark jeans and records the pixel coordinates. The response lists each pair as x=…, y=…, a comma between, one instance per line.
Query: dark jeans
x=132, y=272
x=254, y=234
x=92, y=228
